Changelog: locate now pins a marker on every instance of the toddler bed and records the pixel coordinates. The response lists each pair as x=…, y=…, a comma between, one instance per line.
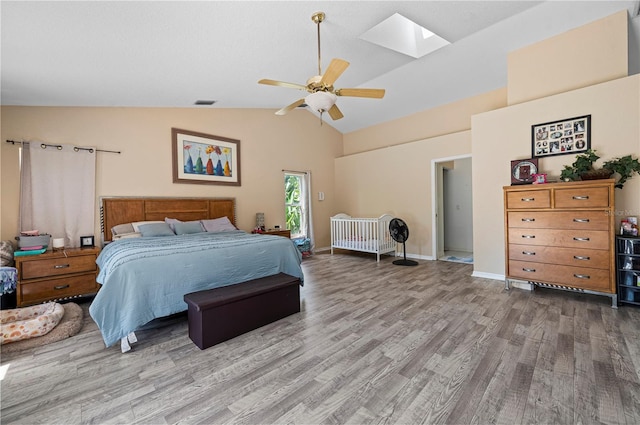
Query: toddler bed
x=362, y=234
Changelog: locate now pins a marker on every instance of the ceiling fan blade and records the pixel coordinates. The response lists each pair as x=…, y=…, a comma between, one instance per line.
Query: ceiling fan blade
x=371, y=93
x=335, y=69
x=335, y=113
x=282, y=84
x=291, y=107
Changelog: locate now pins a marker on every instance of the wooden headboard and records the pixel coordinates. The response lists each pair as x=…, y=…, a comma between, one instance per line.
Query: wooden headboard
x=114, y=211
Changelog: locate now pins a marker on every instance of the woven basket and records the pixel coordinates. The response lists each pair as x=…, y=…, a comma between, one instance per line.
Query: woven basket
x=596, y=174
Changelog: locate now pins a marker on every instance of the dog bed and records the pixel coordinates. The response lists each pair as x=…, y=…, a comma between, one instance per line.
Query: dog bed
x=29, y=322
x=70, y=325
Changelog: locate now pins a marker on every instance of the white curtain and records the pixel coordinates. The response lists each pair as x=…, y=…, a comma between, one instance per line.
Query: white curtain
x=307, y=199
x=57, y=191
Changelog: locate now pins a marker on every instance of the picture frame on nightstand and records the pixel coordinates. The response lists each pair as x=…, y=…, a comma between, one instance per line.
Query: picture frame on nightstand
x=87, y=241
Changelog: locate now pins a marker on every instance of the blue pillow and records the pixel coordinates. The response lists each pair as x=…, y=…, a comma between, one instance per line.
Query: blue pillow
x=185, y=228
x=156, y=229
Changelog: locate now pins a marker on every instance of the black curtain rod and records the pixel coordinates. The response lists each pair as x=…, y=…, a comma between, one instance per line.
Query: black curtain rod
x=75, y=148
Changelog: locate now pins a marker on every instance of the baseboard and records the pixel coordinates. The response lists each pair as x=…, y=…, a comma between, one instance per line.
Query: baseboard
x=485, y=275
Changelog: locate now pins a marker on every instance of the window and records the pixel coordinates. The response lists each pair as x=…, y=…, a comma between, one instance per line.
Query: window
x=296, y=203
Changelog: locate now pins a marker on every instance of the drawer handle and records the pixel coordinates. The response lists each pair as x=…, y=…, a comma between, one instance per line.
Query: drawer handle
x=581, y=239
x=529, y=236
x=580, y=220
x=528, y=253
x=528, y=270
x=61, y=266
x=581, y=198
x=528, y=220
x=527, y=199
x=581, y=257
x=60, y=287
x=581, y=276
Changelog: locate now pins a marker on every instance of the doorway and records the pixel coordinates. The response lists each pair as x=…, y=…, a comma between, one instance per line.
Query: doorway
x=452, y=209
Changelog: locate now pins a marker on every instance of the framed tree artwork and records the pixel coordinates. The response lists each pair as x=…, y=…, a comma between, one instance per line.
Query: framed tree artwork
x=201, y=158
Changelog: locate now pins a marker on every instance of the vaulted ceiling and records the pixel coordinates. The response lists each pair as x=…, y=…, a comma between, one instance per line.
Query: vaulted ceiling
x=170, y=54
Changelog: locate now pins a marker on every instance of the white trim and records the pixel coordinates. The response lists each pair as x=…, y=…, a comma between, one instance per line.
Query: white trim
x=484, y=275
x=434, y=201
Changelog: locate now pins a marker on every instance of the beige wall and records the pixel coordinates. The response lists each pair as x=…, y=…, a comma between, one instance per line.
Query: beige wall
x=268, y=144
x=445, y=119
x=503, y=135
x=584, y=56
x=397, y=180
x=396, y=176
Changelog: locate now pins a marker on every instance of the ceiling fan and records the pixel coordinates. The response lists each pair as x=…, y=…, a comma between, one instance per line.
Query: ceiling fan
x=322, y=95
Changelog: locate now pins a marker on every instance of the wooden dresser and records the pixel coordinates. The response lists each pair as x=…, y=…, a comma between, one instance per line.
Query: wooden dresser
x=561, y=235
x=56, y=275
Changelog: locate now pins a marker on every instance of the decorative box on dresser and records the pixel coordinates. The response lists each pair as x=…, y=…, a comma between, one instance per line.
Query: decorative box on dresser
x=56, y=275
x=561, y=235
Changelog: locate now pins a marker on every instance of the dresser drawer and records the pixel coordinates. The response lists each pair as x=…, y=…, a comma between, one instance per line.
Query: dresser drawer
x=589, y=197
x=575, y=277
x=578, y=257
x=529, y=199
x=584, y=220
x=590, y=239
x=62, y=287
x=58, y=266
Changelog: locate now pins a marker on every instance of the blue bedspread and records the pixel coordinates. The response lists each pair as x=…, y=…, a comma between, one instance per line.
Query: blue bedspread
x=146, y=278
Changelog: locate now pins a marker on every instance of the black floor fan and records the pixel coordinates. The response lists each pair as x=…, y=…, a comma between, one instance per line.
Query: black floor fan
x=400, y=233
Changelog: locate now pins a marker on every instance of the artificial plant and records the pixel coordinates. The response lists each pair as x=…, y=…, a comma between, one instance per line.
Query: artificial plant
x=583, y=169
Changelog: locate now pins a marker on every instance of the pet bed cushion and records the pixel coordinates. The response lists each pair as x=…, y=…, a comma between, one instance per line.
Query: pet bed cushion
x=28, y=322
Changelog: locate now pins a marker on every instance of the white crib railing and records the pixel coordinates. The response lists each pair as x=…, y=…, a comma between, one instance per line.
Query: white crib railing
x=362, y=234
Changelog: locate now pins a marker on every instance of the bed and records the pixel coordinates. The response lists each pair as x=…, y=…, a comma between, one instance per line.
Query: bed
x=362, y=234
x=145, y=277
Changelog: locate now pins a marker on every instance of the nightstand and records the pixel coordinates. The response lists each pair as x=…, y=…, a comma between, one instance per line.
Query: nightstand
x=56, y=275
x=278, y=232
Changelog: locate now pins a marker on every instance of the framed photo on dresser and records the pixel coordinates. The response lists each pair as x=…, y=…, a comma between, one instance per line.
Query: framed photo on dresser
x=524, y=171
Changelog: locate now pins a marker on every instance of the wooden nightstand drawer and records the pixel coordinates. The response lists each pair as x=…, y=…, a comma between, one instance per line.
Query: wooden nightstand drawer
x=284, y=233
x=58, y=288
x=56, y=275
x=529, y=199
x=592, y=258
x=590, y=239
x=58, y=266
x=588, y=197
x=584, y=220
x=575, y=277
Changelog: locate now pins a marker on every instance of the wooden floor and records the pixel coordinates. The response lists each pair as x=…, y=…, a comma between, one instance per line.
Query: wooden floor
x=374, y=343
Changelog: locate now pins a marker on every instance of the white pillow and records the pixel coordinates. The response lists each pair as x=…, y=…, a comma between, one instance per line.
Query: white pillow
x=136, y=225
x=127, y=235
x=172, y=222
x=222, y=224
x=122, y=228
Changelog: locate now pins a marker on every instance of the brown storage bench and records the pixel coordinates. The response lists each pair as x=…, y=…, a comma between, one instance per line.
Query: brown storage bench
x=216, y=315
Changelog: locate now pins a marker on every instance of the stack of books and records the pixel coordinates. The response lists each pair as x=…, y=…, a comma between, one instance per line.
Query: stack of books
x=31, y=242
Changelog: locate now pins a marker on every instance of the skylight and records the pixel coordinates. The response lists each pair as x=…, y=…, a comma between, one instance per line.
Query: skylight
x=405, y=36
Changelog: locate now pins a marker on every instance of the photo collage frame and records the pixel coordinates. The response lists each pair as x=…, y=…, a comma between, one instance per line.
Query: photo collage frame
x=569, y=136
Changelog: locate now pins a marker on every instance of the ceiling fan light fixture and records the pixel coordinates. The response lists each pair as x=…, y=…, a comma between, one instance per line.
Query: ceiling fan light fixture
x=321, y=101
